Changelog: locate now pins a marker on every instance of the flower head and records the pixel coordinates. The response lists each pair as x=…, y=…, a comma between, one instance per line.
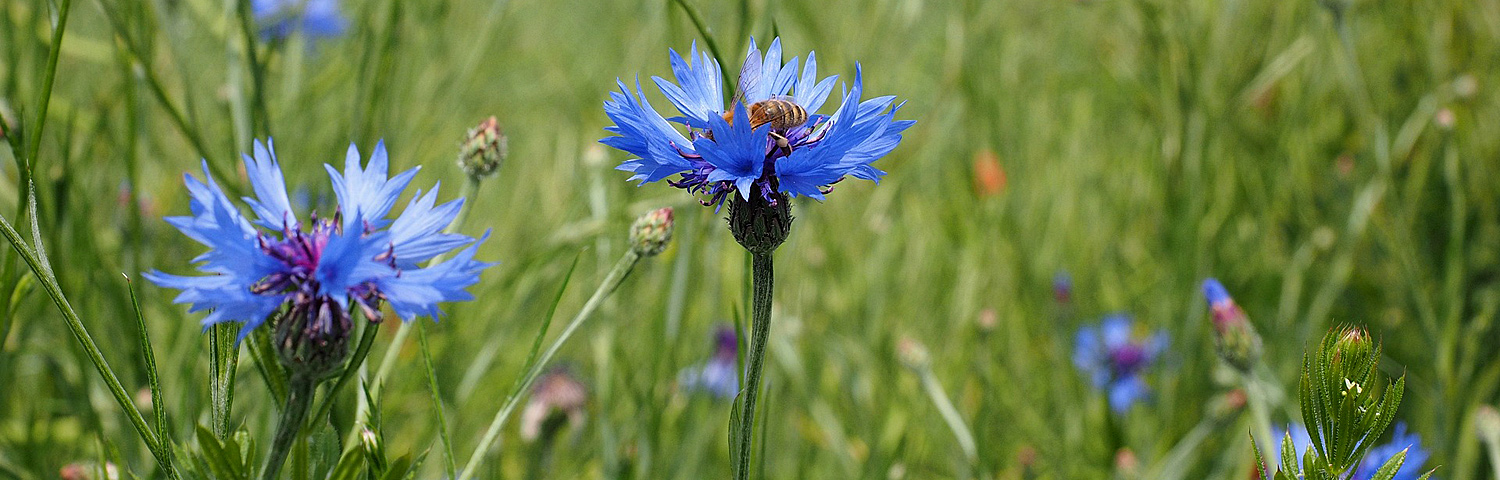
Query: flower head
x=318, y=270
x=1114, y=357
x=776, y=153
x=280, y=18
x=717, y=376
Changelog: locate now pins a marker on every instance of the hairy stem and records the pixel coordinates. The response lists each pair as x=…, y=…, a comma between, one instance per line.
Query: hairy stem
x=760, y=328
x=298, y=398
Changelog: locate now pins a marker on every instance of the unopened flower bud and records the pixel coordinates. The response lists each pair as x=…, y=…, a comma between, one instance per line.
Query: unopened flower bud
x=912, y=353
x=651, y=232
x=1234, y=336
x=758, y=224
x=484, y=149
x=370, y=442
x=1351, y=348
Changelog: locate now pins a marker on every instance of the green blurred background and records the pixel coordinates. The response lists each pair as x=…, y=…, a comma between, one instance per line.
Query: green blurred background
x=1331, y=162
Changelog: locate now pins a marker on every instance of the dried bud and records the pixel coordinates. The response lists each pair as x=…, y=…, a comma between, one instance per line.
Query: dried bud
x=557, y=400
x=1235, y=337
x=651, y=232
x=484, y=149
x=912, y=353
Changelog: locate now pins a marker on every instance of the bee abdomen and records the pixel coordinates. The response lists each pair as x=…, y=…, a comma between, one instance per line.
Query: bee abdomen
x=781, y=114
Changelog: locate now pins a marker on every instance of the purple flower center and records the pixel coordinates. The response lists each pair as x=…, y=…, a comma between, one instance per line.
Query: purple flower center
x=301, y=253
x=1127, y=359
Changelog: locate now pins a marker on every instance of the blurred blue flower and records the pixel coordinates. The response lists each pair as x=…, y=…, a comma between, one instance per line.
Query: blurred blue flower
x=718, y=376
x=1062, y=287
x=718, y=157
x=326, y=266
x=1411, y=467
x=278, y=19
x=1114, y=358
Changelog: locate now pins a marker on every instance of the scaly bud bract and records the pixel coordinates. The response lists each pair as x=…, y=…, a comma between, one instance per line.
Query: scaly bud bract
x=484, y=149
x=651, y=232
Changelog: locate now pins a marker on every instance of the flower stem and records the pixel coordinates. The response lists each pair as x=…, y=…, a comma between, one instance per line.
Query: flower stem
x=299, y=396
x=951, y=416
x=611, y=282
x=760, y=328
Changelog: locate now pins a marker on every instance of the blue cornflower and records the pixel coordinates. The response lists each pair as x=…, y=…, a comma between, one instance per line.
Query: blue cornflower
x=717, y=376
x=1114, y=358
x=1411, y=467
x=321, y=269
x=278, y=19
x=719, y=156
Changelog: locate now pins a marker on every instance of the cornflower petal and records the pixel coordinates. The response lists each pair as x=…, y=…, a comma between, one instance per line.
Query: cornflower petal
x=644, y=133
x=367, y=193
x=270, y=203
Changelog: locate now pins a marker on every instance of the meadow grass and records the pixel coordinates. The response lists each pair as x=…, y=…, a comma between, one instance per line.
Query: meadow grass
x=1331, y=162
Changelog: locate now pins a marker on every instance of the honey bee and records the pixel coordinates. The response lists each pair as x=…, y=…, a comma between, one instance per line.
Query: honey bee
x=780, y=111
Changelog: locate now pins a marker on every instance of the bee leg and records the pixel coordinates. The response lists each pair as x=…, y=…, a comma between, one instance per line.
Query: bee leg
x=782, y=143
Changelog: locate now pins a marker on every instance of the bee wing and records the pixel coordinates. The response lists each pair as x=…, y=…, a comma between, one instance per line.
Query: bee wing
x=750, y=74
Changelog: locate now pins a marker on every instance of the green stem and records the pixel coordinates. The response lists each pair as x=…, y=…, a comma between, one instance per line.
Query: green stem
x=257, y=75
x=951, y=416
x=298, y=397
x=36, y=259
x=611, y=282
x=713, y=47
x=35, y=144
x=450, y=467
x=762, y=279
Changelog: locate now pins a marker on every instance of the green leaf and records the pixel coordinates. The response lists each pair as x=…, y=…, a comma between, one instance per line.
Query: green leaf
x=734, y=433
x=351, y=466
x=1388, y=471
x=219, y=462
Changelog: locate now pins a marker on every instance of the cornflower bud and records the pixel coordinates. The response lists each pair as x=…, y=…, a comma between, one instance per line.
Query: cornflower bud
x=484, y=149
x=1234, y=336
x=912, y=353
x=651, y=232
